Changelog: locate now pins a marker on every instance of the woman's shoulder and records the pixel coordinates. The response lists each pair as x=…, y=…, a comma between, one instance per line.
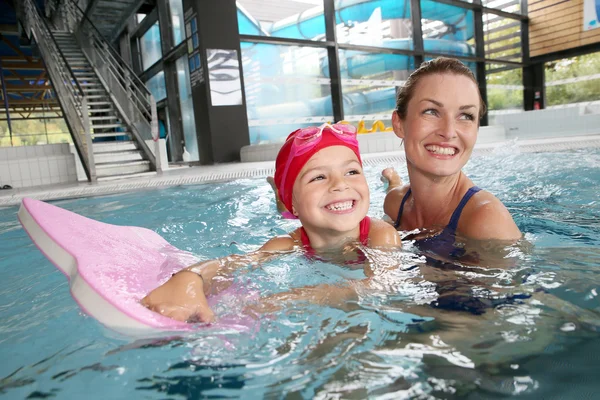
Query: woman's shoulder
x=393, y=199
x=382, y=234
x=486, y=217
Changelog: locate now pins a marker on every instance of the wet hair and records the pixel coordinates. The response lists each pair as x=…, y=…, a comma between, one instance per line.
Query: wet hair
x=437, y=66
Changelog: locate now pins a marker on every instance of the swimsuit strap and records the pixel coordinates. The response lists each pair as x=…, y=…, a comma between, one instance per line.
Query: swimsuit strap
x=365, y=227
x=456, y=214
x=397, y=223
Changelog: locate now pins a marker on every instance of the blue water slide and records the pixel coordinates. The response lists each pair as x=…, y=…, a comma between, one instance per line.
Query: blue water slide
x=310, y=24
x=359, y=64
x=247, y=24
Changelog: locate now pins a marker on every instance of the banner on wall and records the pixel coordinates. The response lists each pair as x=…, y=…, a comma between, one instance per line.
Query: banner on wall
x=591, y=14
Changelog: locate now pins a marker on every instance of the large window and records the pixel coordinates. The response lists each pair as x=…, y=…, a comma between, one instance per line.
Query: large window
x=447, y=29
x=187, y=108
x=369, y=84
x=502, y=38
x=380, y=23
x=156, y=85
x=150, y=46
x=34, y=128
x=287, y=87
x=289, y=19
x=511, y=6
x=504, y=89
x=573, y=80
x=177, y=21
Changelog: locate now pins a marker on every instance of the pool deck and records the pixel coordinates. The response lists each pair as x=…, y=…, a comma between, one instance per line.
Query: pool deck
x=225, y=172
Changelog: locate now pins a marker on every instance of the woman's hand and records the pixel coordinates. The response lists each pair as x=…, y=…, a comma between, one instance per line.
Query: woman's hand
x=181, y=298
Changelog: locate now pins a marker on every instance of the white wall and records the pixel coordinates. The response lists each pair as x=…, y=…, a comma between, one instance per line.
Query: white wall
x=555, y=122
x=27, y=166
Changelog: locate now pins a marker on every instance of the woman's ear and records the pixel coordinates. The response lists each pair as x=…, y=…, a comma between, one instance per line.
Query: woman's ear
x=398, y=125
x=294, y=211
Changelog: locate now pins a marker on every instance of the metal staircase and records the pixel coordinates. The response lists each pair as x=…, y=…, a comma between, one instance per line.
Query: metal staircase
x=116, y=159
x=110, y=113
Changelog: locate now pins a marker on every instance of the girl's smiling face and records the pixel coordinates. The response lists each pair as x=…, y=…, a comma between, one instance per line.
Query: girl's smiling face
x=441, y=124
x=331, y=195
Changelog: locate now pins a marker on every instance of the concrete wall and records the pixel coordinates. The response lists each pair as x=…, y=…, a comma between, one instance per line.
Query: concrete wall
x=27, y=166
x=573, y=121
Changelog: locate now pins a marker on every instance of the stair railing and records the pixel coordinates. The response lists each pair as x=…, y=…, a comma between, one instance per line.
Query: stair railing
x=130, y=95
x=71, y=97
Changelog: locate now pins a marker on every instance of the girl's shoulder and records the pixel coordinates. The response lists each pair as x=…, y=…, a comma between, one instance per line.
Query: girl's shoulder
x=283, y=242
x=382, y=234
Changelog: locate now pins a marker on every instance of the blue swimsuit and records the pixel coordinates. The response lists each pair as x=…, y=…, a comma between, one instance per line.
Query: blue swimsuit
x=442, y=243
x=455, y=294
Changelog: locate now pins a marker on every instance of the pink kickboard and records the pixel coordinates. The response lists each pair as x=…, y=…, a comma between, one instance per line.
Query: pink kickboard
x=120, y=264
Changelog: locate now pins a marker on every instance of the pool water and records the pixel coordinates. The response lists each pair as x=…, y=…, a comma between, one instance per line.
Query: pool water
x=537, y=337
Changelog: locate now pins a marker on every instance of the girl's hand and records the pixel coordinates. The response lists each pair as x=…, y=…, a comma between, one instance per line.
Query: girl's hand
x=181, y=298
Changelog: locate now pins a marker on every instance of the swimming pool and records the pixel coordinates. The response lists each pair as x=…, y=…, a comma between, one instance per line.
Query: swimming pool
x=538, y=347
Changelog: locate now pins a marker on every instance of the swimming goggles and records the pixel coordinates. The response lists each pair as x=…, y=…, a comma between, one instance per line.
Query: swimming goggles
x=306, y=139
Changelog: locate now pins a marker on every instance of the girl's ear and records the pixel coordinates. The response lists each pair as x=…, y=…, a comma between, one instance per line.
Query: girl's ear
x=294, y=211
x=398, y=125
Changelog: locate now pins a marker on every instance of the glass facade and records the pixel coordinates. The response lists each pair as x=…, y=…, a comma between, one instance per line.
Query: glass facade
x=187, y=108
x=379, y=23
x=369, y=84
x=286, y=87
x=504, y=87
x=291, y=20
x=502, y=38
x=287, y=83
x=150, y=46
x=177, y=21
x=156, y=85
x=447, y=29
x=574, y=80
x=511, y=6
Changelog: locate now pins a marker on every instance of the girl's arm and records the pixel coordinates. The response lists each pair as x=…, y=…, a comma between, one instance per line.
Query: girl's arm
x=382, y=236
x=183, y=297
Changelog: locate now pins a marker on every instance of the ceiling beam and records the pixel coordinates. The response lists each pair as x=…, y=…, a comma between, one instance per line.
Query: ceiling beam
x=23, y=66
x=14, y=48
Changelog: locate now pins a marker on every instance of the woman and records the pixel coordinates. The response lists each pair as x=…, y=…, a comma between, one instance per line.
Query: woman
x=437, y=117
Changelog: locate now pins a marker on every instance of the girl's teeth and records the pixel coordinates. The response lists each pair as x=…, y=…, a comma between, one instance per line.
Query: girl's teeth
x=450, y=151
x=346, y=205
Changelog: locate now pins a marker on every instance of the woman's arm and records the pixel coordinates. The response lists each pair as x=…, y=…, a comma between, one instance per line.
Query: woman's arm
x=183, y=297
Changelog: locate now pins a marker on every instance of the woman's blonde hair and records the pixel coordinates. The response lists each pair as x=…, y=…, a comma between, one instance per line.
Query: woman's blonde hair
x=440, y=65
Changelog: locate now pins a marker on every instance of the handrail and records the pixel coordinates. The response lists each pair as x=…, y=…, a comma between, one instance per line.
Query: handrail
x=131, y=97
x=110, y=48
x=71, y=97
x=62, y=55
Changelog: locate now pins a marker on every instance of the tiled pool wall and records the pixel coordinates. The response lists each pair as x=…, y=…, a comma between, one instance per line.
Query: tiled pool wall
x=27, y=166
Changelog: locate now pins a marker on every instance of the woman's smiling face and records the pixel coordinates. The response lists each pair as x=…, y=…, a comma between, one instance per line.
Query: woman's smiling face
x=441, y=124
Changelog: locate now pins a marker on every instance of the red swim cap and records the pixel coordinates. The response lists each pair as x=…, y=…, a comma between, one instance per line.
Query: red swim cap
x=328, y=139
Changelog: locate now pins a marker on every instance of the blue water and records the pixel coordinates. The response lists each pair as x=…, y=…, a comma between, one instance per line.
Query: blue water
x=391, y=344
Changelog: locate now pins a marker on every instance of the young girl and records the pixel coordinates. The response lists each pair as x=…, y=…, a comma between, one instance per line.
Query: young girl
x=319, y=178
